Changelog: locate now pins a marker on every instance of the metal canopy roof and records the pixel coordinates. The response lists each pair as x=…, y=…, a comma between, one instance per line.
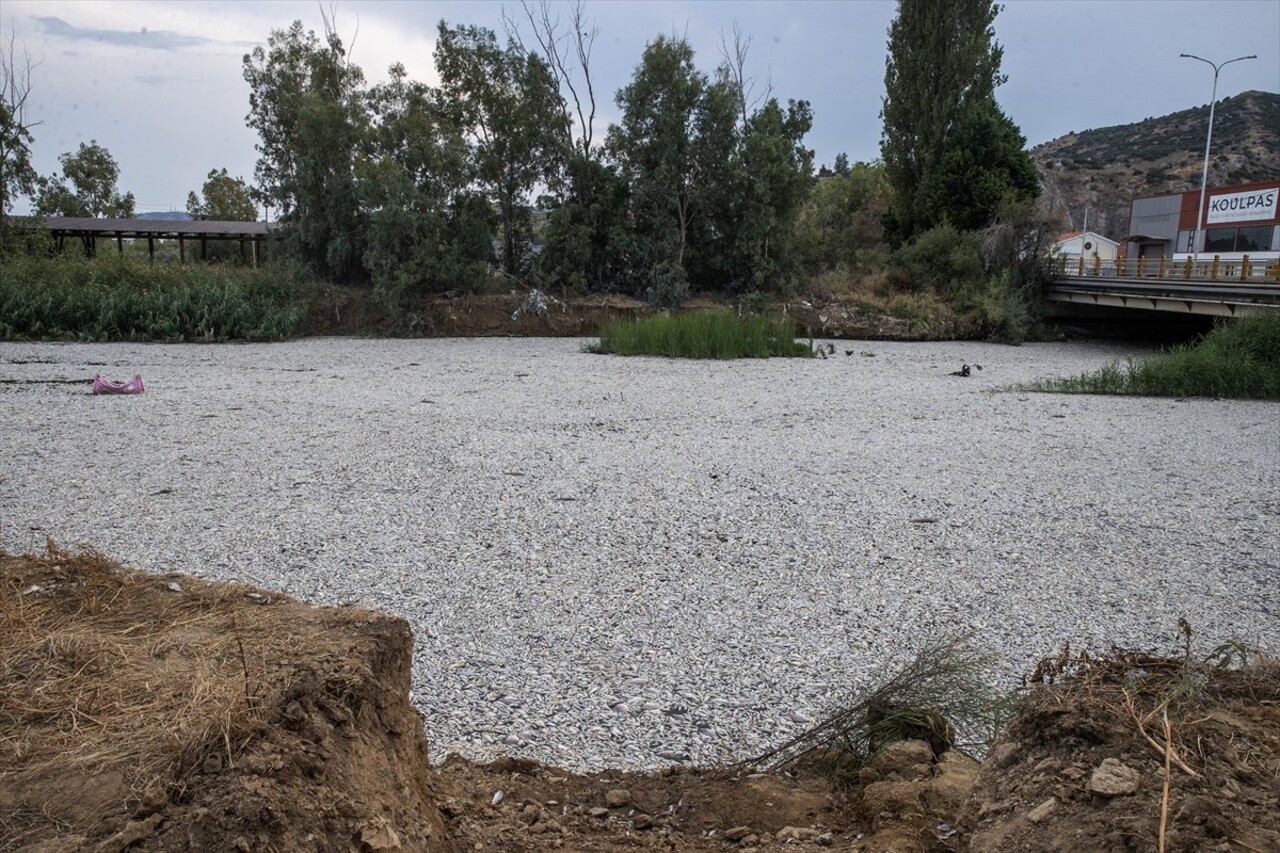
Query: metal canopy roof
x=173, y=228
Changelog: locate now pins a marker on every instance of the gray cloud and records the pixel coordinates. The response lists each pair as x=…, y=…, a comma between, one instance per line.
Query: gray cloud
x=152, y=39
x=154, y=79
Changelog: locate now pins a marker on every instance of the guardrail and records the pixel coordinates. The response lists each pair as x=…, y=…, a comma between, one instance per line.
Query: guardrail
x=1190, y=269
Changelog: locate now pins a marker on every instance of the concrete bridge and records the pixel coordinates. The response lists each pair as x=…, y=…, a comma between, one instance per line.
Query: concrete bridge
x=1223, y=287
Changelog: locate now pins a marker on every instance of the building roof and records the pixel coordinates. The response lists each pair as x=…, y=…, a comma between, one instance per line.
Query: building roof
x=1093, y=235
x=172, y=228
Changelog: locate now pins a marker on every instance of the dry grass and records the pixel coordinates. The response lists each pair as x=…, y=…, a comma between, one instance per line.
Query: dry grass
x=95, y=676
x=1165, y=699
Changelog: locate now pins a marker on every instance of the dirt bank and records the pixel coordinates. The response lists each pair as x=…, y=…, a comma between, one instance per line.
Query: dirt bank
x=144, y=712
x=353, y=312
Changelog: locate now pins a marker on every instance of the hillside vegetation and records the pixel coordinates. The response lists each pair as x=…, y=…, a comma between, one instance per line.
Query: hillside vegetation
x=1103, y=169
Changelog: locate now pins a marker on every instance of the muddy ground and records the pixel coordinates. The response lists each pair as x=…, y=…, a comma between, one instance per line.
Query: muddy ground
x=163, y=712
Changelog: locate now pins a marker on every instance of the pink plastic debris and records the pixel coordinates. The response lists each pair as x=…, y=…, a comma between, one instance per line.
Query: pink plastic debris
x=106, y=386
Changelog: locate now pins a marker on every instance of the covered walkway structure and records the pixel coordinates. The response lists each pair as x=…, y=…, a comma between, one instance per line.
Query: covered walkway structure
x=250, y=235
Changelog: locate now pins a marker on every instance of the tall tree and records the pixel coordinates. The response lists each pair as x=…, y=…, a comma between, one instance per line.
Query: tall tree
x=508, y=100
x=840, y=224
x=985, y=166
x=772, y=176
x=943, y=61
x=426, y=233
x=567, y=53
x=305, y=103
x=672, y=146
x=17, y=176
x=87, y=186
x=588, y=242
x=222, y=198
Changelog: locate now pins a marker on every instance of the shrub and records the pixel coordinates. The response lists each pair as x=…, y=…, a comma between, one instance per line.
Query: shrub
x=941, y=259
x=668, y=285
x=943, y=695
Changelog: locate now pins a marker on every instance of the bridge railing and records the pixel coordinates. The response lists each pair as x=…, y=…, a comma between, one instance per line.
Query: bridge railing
x=1217, y=268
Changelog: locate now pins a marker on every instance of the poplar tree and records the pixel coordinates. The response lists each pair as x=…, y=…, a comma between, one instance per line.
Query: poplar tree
x=943, y=67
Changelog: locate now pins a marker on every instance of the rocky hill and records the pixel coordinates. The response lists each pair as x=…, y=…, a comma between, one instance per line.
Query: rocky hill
x=1101, y=170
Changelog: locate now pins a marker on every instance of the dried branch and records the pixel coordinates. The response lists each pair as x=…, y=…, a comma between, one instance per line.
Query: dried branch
x=1156, y=745
x=1168, y=774
x=734, y=61
x=582, y=35
x=943, y=684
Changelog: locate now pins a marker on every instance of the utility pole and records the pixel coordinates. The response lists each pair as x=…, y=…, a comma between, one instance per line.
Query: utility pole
x=1204, y=175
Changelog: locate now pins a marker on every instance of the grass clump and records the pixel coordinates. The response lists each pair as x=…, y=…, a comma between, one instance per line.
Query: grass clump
x=705, y=335
x=127, y=299
x=1238, y=358
x=941, y=696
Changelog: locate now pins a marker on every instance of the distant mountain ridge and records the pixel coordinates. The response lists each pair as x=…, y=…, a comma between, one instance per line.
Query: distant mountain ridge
x=1102, y=170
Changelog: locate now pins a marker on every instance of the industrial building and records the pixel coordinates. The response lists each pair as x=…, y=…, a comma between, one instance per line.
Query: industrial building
x=1239, y=220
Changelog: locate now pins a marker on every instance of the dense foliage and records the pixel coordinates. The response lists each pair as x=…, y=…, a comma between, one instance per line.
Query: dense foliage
x=1239, y=358
x=949, y=151
x=222, y=198
x=87, y=186
x=711, y=335
x=496, y=177
x=17, y=175
x=407, y=184
x=306, y=103
x=125, y=299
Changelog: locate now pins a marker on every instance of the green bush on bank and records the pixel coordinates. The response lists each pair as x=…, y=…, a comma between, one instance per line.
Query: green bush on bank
x=1239, y=359
x=110, y=298
x=707, y=335
x=991, y=280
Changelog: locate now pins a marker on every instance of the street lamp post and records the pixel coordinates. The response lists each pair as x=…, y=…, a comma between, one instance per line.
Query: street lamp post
x=1204, y=175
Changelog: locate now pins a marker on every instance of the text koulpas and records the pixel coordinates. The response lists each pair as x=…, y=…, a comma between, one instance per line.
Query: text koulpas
x=1243, y=207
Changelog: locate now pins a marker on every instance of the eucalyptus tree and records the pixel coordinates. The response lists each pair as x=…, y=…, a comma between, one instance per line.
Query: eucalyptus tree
x=306, y=103
x=223, y=198
x=86, y=187
x=17, y=175
x=673, y=147
x=426, y=230
x=771, y=179
x=507, y=100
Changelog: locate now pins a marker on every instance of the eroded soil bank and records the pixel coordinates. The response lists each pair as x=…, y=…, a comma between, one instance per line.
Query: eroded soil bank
x=163, y=712
x=355, y=312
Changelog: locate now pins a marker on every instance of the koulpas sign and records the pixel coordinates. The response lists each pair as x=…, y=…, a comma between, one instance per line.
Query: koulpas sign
x=1248, y=206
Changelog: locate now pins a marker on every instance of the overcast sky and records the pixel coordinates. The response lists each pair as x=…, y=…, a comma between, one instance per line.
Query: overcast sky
x=159, y=83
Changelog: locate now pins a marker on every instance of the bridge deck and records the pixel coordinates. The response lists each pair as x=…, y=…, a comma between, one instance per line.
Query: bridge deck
x=1229, y=288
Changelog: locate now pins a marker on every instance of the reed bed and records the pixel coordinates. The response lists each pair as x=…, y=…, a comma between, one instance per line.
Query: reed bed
x=128, y=299
x=711, y=335
x=1238, y=359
